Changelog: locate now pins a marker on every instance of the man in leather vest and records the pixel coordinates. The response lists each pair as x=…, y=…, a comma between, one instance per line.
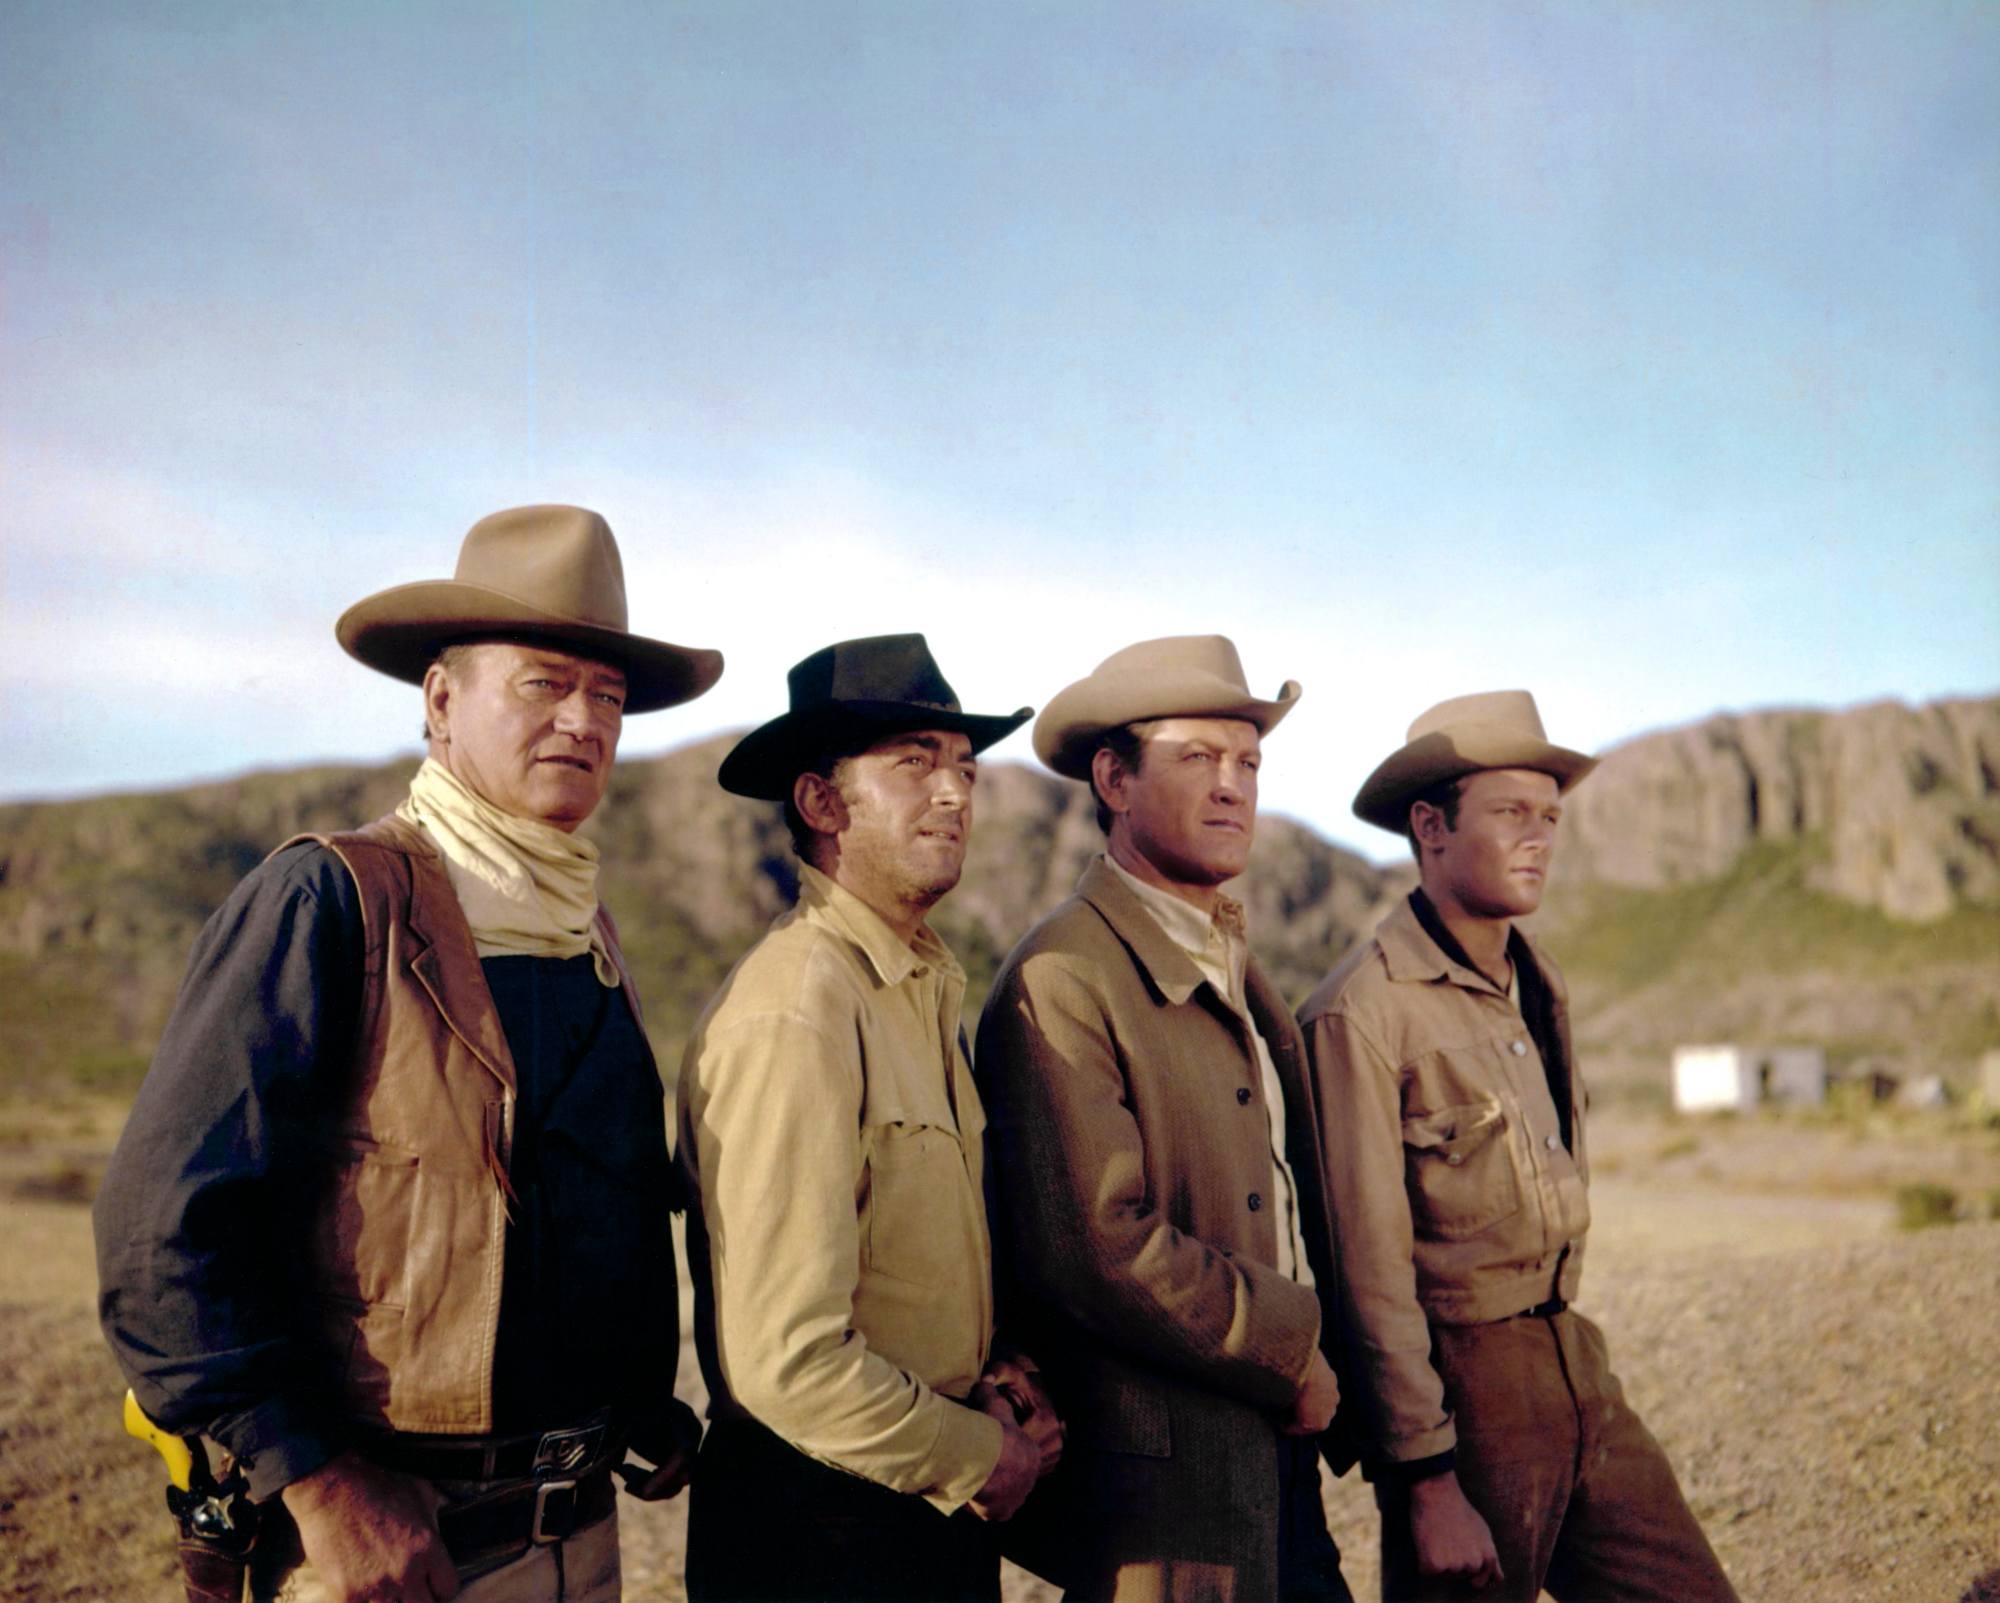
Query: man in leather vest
x=388, y=1225
x=1503, y=1454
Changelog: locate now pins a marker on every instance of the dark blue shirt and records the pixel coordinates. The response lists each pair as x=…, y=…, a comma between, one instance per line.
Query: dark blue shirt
x=202, y=1211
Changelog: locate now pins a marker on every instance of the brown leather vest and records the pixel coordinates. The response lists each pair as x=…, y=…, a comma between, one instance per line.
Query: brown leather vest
x=409, y=1229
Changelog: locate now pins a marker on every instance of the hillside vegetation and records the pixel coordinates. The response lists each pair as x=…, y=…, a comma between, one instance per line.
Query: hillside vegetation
x=1714, y=882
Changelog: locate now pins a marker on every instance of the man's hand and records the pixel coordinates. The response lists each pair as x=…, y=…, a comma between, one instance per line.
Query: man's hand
x=370, y=1534
x=1019, y=1383
x=1451, y=1538
x=1319, y=1396
x=1014, y=1476
x=669, y=1441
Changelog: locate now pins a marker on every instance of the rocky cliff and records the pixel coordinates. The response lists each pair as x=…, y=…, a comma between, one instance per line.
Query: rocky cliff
x=1899, y=805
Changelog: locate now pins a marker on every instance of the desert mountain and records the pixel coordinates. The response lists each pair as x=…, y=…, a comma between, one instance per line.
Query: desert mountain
x=1901, y=804
x=1784, y=875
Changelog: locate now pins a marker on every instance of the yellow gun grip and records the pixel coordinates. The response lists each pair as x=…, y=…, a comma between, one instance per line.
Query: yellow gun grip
x=180, y=1459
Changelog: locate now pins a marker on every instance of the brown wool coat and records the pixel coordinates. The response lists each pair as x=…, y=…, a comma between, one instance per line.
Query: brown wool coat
x=1127, y=1137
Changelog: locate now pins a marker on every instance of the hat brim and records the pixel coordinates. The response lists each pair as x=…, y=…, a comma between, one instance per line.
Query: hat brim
x=1072, y=726
x=765, y=762
x=400, y=631
x=1385, y=796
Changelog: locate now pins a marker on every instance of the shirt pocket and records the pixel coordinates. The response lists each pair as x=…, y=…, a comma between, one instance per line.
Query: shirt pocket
x=1461, y=1170
x=911, y=1203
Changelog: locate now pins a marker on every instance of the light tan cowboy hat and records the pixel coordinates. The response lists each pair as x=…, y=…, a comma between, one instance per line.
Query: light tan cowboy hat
x=1182, y=676
x=538, y=573
x=1494, y=729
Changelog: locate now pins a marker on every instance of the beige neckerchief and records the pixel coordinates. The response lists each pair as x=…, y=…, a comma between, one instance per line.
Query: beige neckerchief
x=526, y=887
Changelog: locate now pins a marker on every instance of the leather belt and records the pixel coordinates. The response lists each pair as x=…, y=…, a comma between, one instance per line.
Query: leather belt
x=535, y=1489
x=499, y=1458
x=511, y=1519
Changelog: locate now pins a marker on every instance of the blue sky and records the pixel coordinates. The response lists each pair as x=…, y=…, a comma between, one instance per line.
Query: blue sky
x=1644, y=355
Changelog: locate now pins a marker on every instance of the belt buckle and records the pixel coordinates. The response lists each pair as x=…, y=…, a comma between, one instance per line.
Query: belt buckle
x=563, y=1496
x=566, y=1451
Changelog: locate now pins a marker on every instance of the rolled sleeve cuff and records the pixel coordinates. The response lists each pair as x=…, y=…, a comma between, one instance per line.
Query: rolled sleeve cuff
x=1419, y=1448
x=968, y=1447
x=276, y=1444
x=1408, y=1471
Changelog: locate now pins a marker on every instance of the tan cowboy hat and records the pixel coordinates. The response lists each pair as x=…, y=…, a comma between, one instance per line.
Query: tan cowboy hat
x=1182, y=676
x=539, y=573
x=849, y=696
x=1495, y=729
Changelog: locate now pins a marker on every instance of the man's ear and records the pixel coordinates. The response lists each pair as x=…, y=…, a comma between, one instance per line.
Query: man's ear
x=819, y=803
x=1427, y=823
x=437, y=699
x=1107, y=780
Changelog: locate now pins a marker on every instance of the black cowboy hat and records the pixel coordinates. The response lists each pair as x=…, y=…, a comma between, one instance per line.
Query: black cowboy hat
x=847, y=697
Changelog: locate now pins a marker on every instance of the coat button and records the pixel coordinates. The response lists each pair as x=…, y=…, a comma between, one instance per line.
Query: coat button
x=1550, y=1142
x=1256, y=1202
x=1243, y=1096
x=1519, y=1049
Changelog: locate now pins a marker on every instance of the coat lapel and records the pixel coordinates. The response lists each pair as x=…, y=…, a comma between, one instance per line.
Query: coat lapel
x=1167, y=969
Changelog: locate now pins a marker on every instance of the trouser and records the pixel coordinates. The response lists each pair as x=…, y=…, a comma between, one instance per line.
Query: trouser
x=582, y=1568
x=1308, y=1560
x=1156, y=1568
x=766, y=1522
x=1578, y=1495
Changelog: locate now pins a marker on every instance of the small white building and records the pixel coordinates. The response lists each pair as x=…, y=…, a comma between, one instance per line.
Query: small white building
x=1716, y=1079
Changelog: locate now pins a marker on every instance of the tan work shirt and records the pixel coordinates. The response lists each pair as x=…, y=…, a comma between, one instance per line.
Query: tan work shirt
x=1454, y=1199
x=1220, y=948
x=830, y=1137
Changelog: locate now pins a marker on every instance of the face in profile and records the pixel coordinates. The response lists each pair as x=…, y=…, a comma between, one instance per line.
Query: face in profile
x=1495, y=863
x=531, y=728
x=1191, y=808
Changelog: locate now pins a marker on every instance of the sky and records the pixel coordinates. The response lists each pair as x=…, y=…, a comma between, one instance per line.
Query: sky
x=1643, y=355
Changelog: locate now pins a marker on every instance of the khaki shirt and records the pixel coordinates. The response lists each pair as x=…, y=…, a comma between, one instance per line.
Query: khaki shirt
x=1454, y=1200
x=830, y=1136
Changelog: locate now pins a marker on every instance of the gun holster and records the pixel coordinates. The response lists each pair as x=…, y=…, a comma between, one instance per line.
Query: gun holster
x=216, y=1521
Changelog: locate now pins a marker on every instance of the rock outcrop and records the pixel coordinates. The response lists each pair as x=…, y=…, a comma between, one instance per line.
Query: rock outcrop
x=1899, y=805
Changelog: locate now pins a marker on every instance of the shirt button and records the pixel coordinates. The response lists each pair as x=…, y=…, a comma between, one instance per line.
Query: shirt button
x=1243, y=1096
x=1256, y=1202
x=1549, y=1141
x=1454, y=1157
x=1519, y=1049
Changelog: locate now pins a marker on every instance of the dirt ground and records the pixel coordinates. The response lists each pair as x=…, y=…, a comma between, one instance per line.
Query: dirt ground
x=1827, y=1385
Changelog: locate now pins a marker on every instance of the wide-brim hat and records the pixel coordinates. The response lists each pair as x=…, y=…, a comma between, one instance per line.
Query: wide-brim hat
x=1181, y=676
x=844, y=699
x=1494, y=729
x=547, y=573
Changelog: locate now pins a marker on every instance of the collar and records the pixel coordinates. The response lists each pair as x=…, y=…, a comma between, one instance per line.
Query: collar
x=1410, y=955
x=823, y=901
x=1187, y=926
x=1107, y=888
